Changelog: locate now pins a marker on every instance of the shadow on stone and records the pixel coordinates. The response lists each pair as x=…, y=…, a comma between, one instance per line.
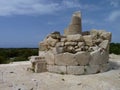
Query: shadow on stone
x=114, y=65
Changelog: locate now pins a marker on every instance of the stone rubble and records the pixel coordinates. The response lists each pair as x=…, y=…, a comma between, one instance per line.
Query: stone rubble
x=75, y=52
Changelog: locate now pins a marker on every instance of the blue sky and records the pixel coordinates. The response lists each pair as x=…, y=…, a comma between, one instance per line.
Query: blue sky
x=24, y=23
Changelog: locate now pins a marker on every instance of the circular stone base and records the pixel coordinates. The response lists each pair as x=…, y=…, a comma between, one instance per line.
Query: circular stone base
x=78, y=70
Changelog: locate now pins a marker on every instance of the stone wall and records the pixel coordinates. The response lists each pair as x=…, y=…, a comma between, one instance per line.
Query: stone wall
x=75, y=52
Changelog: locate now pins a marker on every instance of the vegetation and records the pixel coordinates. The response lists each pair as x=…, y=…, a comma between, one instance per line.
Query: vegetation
x=115, y=48
x=8, y=55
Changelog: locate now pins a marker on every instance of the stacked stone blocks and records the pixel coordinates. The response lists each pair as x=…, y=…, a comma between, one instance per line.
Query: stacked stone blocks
x=76, y=52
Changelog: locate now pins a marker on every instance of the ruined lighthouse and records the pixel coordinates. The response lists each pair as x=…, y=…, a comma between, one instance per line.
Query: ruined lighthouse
x=74, y=52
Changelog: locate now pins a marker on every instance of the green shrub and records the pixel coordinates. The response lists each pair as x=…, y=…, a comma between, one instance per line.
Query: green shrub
x=115, y=48
x=16, y=54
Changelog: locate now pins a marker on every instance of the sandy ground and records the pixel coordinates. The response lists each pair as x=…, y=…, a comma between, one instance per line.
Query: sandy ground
x=16, y=77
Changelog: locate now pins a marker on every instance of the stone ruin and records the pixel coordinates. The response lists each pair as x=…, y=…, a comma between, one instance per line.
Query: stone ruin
x=75, y=52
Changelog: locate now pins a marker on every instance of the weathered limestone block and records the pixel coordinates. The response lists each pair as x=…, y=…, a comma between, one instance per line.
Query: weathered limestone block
x=52, y=42
x=94, y=33
x=55, y=35
x=83, y=48
x=104, y=67
x=60, y=50
x=105, y=44
x=88, y=40
x=86, y=48
x=100, y=32
x=75, y=70
x=92, y=69
x=70, y=49
x=40, y=66
x=106, y=36
x=99, y=57
x=60, y=44
x=65, y=59
x=81, y=44
x=93, y=48
x=76, y=47
x=78, y=50
x=42, y=53
x=105, y=56
x=50, y=58
x=36, y=58
x=43, y=46
x=76, y=37
x=54, y=50
x=63, y=39
x=70, y=43
x=97, y=41
x=56, y=69
x=82, y=58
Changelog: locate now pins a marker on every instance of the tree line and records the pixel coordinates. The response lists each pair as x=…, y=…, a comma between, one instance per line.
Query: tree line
x=8, y=55
x=115, y=48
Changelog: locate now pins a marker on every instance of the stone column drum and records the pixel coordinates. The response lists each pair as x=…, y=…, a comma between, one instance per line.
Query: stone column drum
x=75, y=26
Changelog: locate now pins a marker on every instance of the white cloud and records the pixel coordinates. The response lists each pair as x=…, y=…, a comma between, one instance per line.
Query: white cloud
x=28, y=7
x=77, y=4
x=21, y=7
x=70, y=4
x=38, y=7
x=114, y=16
x=88, y=21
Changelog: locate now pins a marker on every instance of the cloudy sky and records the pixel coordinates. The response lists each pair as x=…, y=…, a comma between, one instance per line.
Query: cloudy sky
x=24, y=23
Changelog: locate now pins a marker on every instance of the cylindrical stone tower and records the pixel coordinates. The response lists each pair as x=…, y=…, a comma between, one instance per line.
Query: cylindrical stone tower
x=75, y=26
